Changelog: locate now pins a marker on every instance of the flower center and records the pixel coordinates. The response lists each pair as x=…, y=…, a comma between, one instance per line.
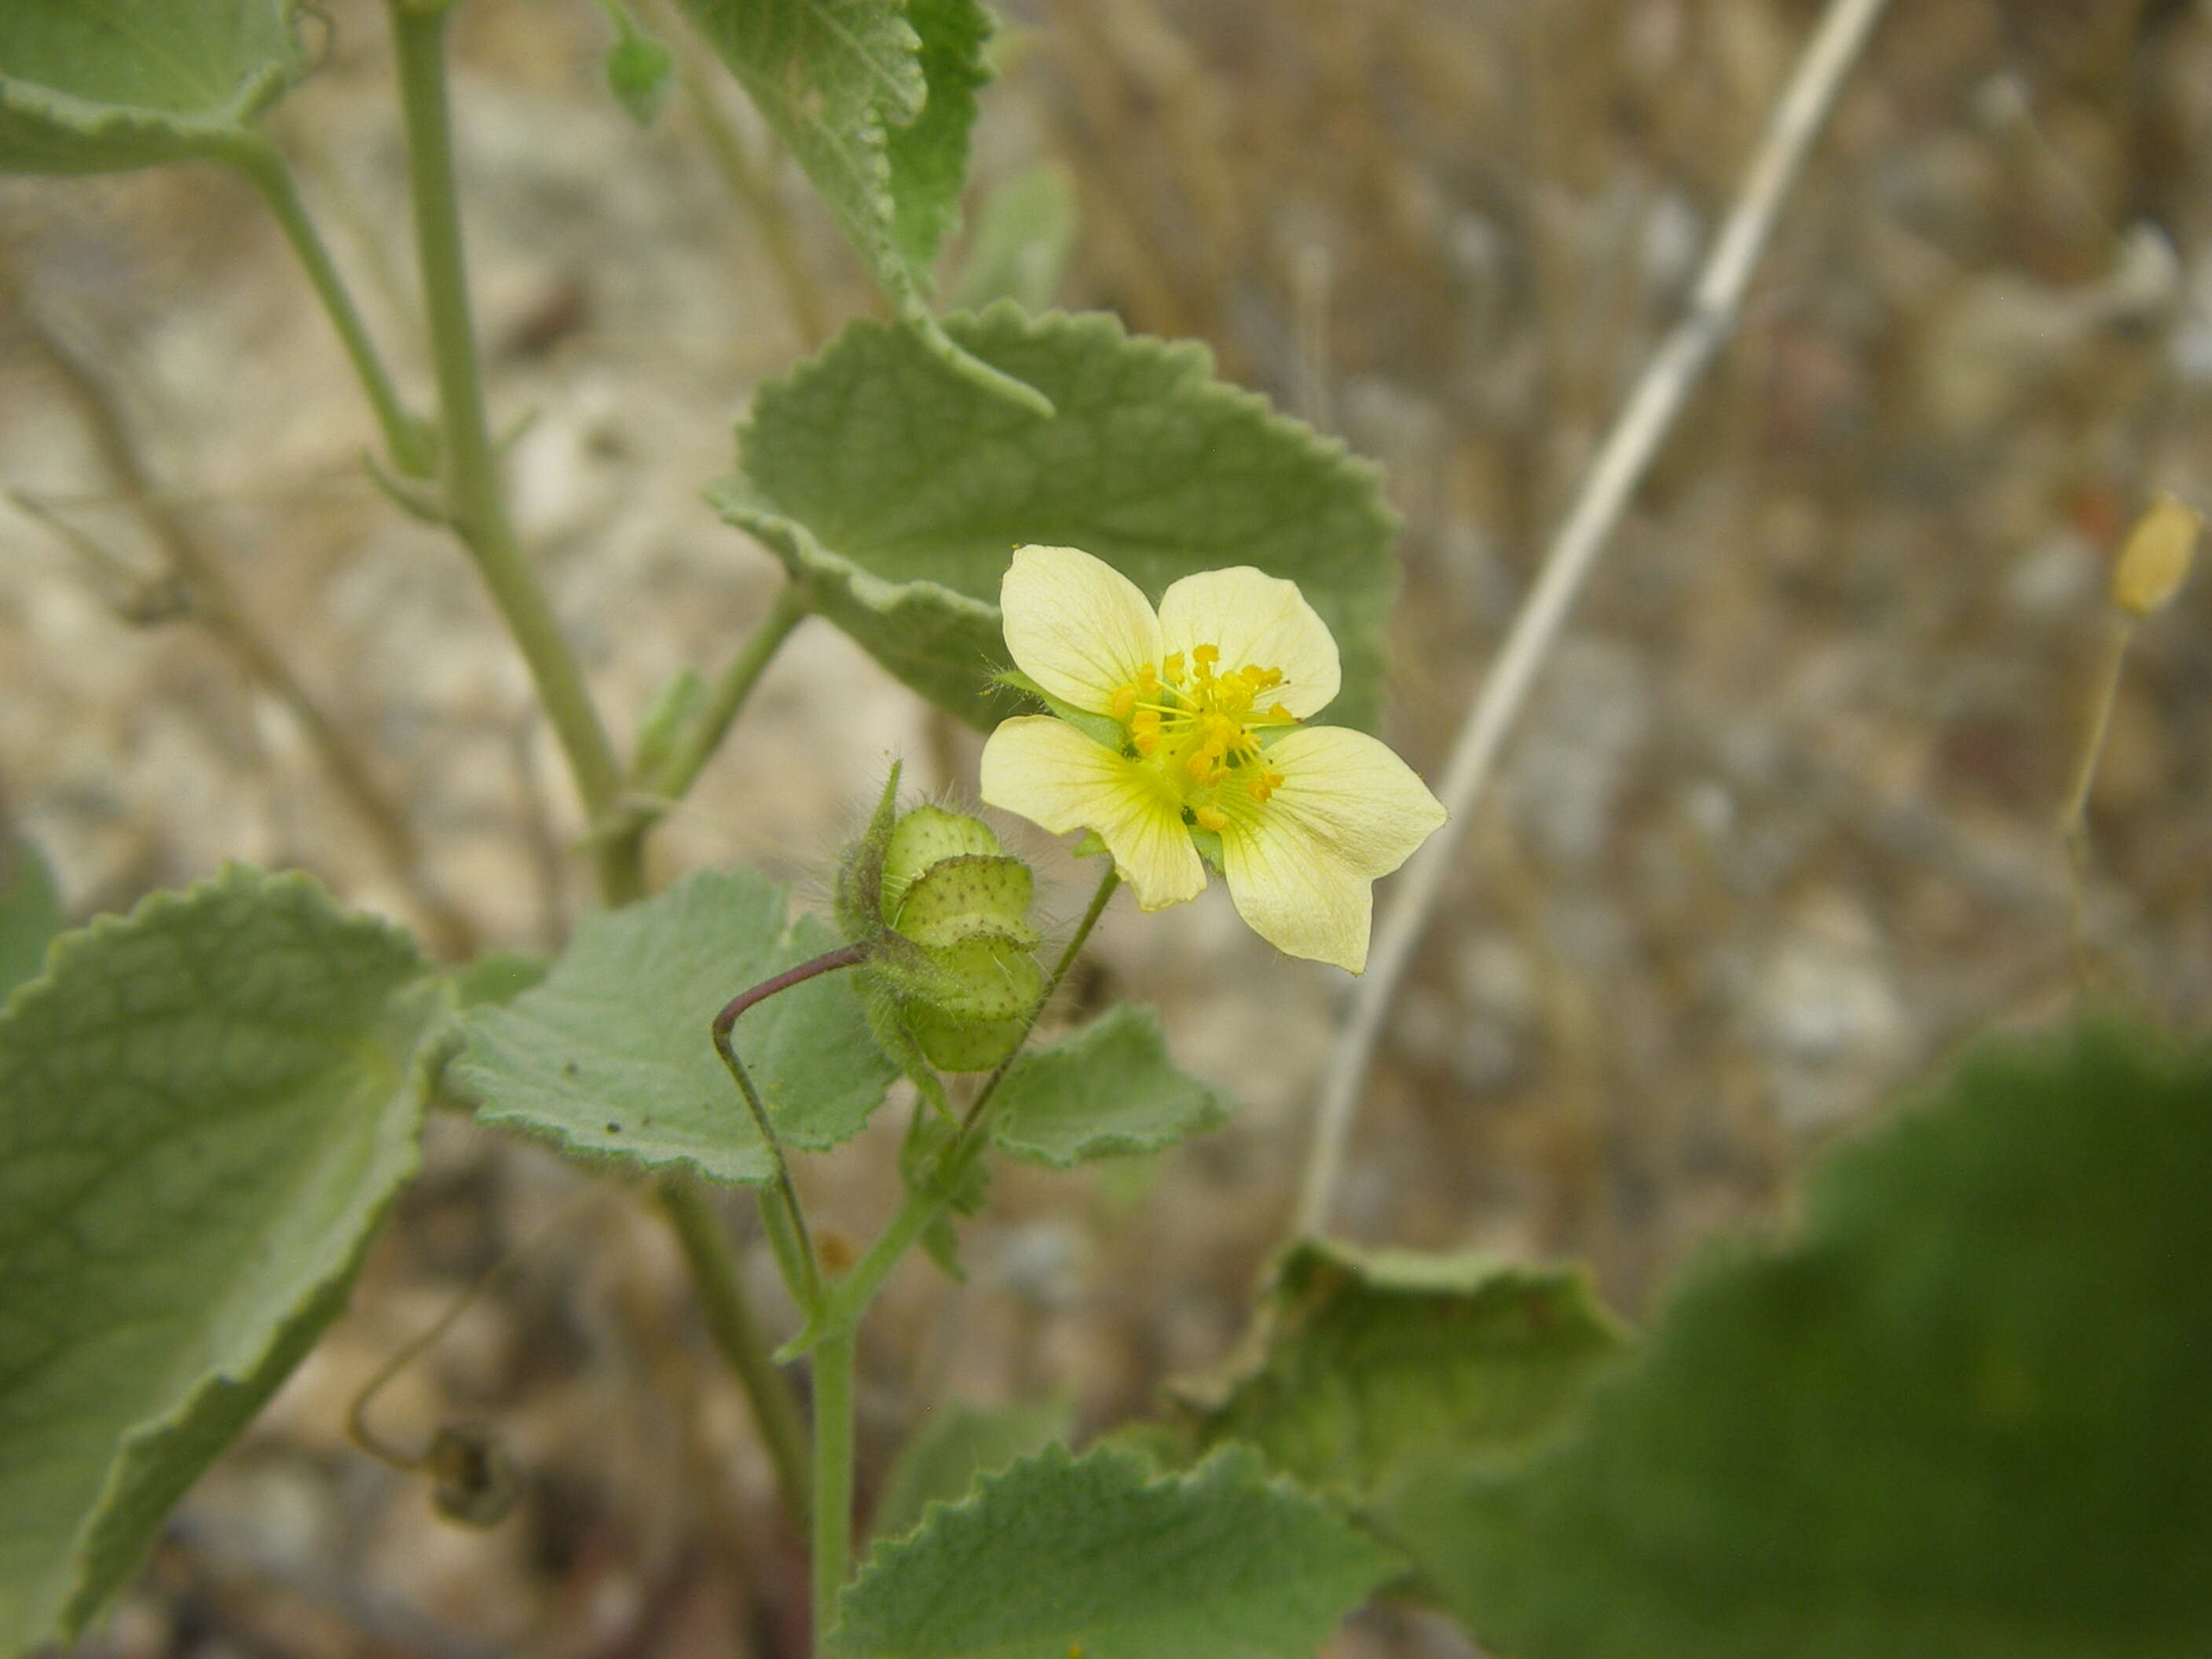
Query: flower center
x=1201, y=727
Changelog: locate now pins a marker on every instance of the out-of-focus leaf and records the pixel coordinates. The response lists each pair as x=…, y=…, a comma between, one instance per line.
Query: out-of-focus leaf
x=1963, y=1411
x=898, y=492
x=30, y=913
x=876, y=99
x=99, y=86
x=203, y=1109
x=639, y=70
x=1377, y=1364
x=1109, y=1088
x=957, y=1446
x=1097, y=1556
x=610, y=1056
x=1022, y=239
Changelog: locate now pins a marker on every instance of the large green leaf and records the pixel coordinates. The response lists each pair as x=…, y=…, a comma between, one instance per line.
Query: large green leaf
x=204, y=1108
x=610, y=1055
x=1097, y=1556
x=97, y=86
x=1965, y=1411
x=30, y=913
x=1108, y=1090
x=1378, y=1363
x=876, y=99
x=898, y=492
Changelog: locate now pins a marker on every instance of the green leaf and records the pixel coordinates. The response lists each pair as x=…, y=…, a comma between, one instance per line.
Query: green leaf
x=1963, y=1411
x=612, y=1057
x=957, y=1446
x=1095, y=1555
x=203, y=1109
x=1022, y=241
x=1379, y=1363
x=899, y=492
x=87, y=88
x=30, y=913
x=1108, y=1090
x=876, y=99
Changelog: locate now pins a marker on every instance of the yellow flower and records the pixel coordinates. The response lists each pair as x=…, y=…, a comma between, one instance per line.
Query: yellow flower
x=1206, y=702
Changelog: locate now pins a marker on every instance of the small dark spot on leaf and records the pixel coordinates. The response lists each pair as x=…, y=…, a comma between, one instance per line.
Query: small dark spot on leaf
x=614, y=1129
x=569, y=1068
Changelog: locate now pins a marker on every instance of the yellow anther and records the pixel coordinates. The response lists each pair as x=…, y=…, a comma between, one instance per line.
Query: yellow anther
x=1277, y=712
x=1202, y=658
x=1125, y=702
x=1171, y=669
x=1223, y=731
x=1147, y=742
x=1146, y=720
x=1148, y=679
x=1213, y=818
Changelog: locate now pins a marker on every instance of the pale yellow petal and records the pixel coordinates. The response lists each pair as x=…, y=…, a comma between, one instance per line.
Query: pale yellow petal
x=1077, y=626
x=1300, y=865
x=1052, y=774
x=1258, y=621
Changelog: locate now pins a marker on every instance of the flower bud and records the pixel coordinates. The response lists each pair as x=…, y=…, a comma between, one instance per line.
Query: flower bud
x=2155, y=560
x=944, y=910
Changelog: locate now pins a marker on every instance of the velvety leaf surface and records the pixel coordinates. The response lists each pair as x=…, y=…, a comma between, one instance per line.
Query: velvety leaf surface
x=1097, y=1556
x=1109, y=1088
x=96, y=88
x=899, y=490
x=30, y=913
x=611, y=1057
x=204, y=1108
x=1380, y=1362
x=1963, y=1411
x=954, y=1446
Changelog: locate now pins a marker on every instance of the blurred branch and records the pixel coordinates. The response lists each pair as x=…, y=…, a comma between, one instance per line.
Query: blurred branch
x=754, y=189
x=211, y=601
x=1643, y=425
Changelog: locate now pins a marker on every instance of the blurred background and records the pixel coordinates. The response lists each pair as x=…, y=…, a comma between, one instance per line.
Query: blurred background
x=1776, y=832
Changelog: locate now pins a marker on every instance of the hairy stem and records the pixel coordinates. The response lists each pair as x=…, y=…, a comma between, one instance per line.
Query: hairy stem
x=833, y=1479
x=410, y=443
x=1643, y=423
x=850, y=1295
x=476, y=503
x=714, y=1267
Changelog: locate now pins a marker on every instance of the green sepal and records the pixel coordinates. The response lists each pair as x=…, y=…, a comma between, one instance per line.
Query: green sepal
x=923, y=836
x=1103, y=729
x=964, y=1045
x=858, y=898
x=1208, y=842
x=958, y=898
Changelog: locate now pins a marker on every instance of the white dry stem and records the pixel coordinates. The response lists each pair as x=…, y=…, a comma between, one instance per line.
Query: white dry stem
x=1666, y=383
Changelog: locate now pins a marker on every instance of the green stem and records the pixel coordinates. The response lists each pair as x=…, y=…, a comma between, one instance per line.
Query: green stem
x=849, y=1297
x=475, y=501
x=410, y=441
x=729, y=1319
x=625, y=848
x=833, y=1479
